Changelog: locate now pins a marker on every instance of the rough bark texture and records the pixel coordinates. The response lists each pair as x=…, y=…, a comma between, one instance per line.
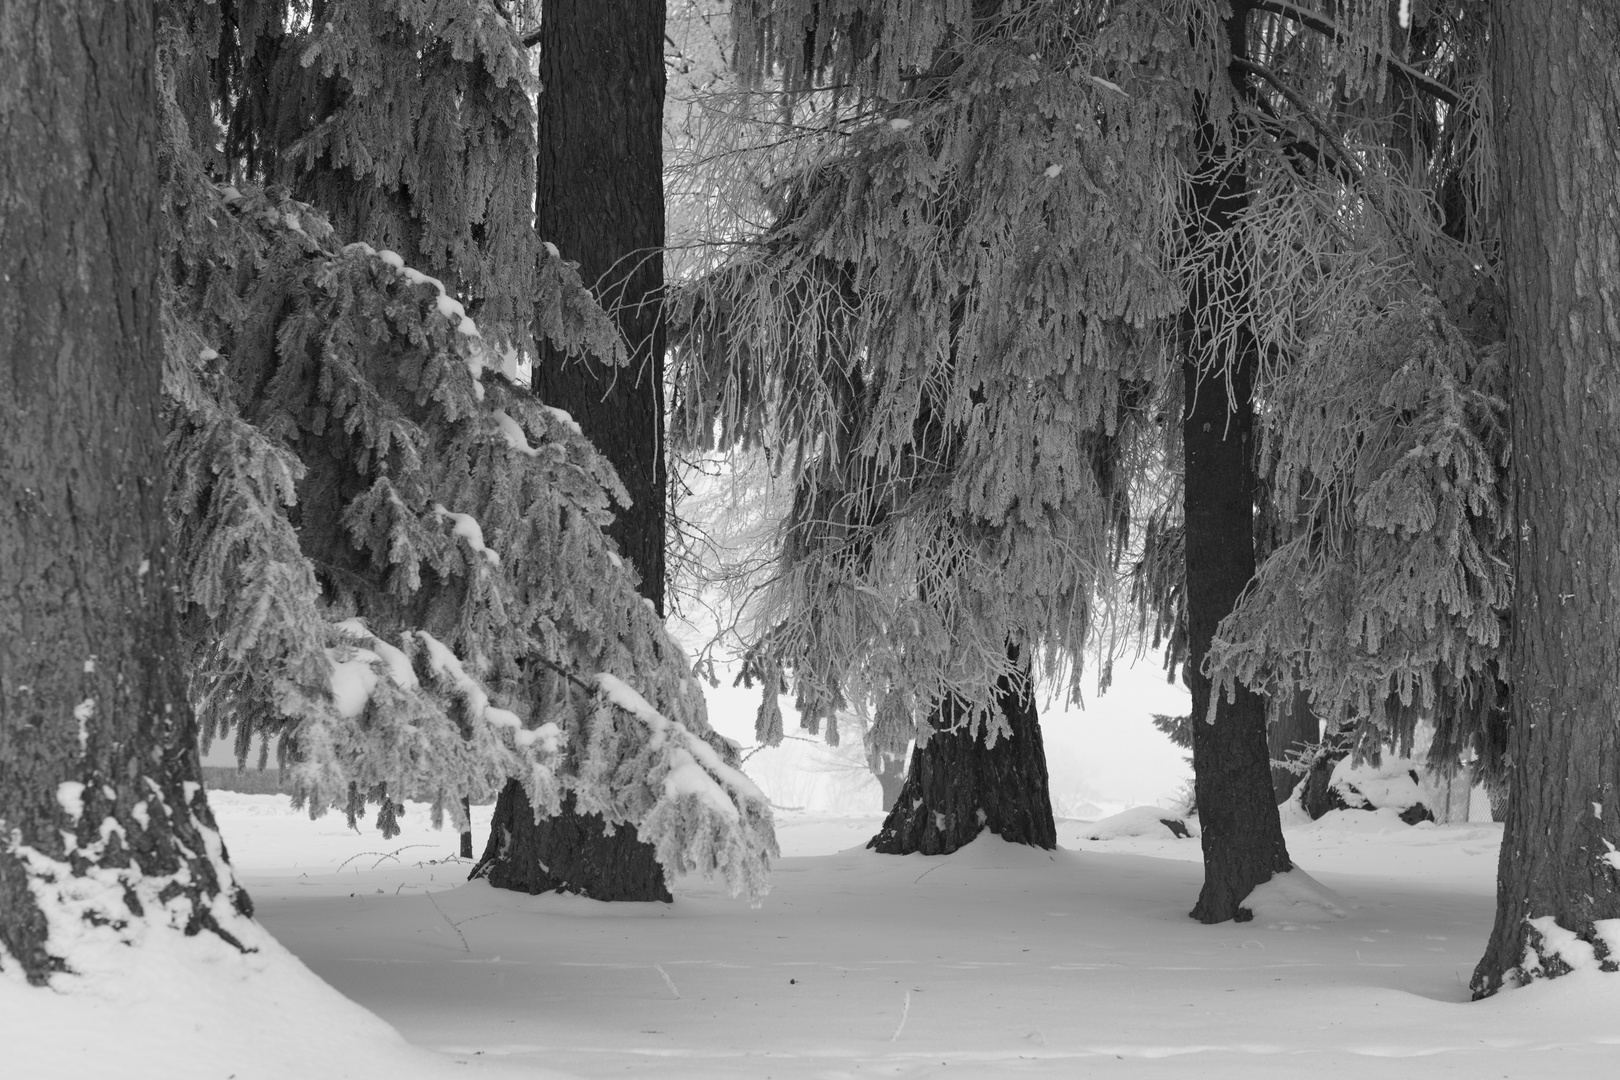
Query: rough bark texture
x=1237, y=809
x=1295, y=728
x=568, y=853
x=958, y=786
x=1237, y=813
x=601, y=202
x=1558, y=143
x=91, y=691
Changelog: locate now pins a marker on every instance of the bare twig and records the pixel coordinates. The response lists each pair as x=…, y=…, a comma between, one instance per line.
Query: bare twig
x=667, y=980
x=904, y=1012
x=1303, y=107
x=381, y=855
x=1323, y=25
x=446, y=918
x=1330, y=139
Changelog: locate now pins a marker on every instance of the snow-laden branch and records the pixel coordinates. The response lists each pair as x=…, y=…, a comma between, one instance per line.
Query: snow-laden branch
x=377, y=365
x=699, y=813
x=696, y=769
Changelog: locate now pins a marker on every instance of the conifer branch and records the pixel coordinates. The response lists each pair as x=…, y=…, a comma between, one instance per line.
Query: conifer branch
x=1296, y=146
x=1312, y=20
x=1329, y=138
x=567, y=673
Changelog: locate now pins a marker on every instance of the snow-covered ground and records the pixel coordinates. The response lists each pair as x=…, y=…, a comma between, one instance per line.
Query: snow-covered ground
x=995, y=961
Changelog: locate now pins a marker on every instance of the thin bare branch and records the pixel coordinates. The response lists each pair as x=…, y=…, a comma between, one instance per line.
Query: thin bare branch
x=1320, y=23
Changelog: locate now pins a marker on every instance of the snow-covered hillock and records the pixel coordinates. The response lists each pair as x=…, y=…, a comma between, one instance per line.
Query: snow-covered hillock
x=1141, y=821
x=1401, y=785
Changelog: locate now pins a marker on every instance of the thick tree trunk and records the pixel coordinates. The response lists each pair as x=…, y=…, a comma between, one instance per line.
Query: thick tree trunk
x=1237, y=813
x=568, y=853
x=601, y=202
x=1296, y=728
x=1240, y=828
x=1558, y=143
x=98, y=749
x=958, y=786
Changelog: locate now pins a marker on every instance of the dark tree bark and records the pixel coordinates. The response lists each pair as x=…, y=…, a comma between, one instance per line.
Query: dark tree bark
x=1240, y=828
x=958, y=786
x=1558, y=113
x=601, y=202
x=568, y=853
x=91, y=691
x=1296, y=728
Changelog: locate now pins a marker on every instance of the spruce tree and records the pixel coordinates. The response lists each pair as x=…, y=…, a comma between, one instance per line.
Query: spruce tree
x=952, y=331
x=395, y=565
x=108, y=835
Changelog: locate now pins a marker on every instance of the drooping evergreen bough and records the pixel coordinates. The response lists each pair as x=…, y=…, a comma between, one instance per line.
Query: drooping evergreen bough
x=1366, y=285
x=409, y=123
x=392, y=557
x=952, y=330
x=1383, y=590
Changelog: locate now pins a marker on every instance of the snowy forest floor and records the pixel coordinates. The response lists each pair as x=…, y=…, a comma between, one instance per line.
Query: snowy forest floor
x=995, y=961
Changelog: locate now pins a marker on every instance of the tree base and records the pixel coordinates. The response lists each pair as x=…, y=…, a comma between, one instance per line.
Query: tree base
x=1239, y=824
x=958, y=787
x=571, y=853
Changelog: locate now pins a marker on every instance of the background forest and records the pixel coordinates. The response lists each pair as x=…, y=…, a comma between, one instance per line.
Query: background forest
x=380, y=380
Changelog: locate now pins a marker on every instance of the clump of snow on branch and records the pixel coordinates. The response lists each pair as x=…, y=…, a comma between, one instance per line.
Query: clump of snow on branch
x=695, y=806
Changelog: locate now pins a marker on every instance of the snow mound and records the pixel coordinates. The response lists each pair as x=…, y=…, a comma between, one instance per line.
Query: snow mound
x=1391, y=785
x=1381, y=820
x=1137, y=821
x=1295, y=897
x=180, y=1008
x=1293, y=814
x=986, y=852
x=989, y=851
